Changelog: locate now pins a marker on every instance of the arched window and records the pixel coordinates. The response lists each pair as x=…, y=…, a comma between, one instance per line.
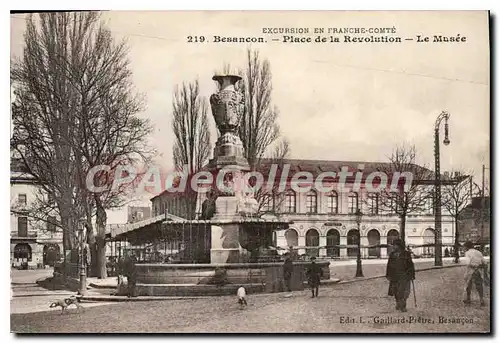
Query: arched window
x=429, y=240
x=332, y=239
x=290, y=206
x=312, y=202
x=332, y=202
x=312, y=241
x=374, y=239
x=352, y=239
x=292, y=238
x=392, y=235
x=353, y=202
x=22, y=251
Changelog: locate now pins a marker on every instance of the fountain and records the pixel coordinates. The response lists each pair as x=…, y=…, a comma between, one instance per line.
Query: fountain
x=233, y=230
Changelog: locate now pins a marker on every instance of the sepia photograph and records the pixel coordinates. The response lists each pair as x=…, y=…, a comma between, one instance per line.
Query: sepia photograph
x=250, y=172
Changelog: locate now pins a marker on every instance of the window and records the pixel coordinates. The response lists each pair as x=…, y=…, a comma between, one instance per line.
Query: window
x=332, y=202
x=139, y=215
x=312, y=202
x=429, y=206
x=353, y=202
x=290, y=202
x=268, y=203
x=21, y=198
x=51, y=224
x=22, y=226
x=373, y=200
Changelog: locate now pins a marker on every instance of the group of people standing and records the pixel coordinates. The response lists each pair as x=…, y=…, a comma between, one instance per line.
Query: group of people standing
x=400, y=273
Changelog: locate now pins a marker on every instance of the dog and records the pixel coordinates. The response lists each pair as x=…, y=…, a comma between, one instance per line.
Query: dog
x=242, y=297
x=65, y=303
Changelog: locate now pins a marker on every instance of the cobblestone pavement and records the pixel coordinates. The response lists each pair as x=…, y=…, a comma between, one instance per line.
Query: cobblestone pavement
x=365, y=304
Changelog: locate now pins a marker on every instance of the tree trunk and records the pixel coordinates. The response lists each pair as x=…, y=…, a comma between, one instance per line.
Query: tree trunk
x=402, y=231
x=100, y=238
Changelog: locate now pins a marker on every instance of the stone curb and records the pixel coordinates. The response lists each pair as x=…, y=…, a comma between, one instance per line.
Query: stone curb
x=112, y=298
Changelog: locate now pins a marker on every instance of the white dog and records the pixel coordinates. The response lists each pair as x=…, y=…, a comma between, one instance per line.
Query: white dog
x=242, y=297
x=64, y=303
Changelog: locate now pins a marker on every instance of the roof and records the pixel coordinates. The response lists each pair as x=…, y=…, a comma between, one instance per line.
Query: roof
x=316, y=167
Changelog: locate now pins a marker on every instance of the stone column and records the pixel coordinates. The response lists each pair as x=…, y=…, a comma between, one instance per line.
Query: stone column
x=383, y=251
x=302, y=242
x=343, y=251
x=364, y=251
x=322, y=243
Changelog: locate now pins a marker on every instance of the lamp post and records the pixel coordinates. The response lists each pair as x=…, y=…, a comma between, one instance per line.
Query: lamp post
x=83, y=271
x=438, y=254
x=359, y=268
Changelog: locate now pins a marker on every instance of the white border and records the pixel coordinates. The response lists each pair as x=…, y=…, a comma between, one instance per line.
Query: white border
x=204, y=5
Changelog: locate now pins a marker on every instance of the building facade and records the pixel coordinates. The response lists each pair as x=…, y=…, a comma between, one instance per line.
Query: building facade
x=321, y=220
x=474, y=221
x=35, y=243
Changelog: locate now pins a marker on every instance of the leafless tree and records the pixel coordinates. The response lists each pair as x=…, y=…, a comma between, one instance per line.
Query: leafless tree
x=456, y=196
x=409, y=198
x=269, y=197
x=259, y=128
x=192, y=136
x=44, y=115
x=77, y=110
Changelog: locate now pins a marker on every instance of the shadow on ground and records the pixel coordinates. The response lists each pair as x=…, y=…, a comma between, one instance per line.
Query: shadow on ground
x=51, y=284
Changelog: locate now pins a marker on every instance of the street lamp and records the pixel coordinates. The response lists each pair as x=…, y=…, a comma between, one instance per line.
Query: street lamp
x=83, y=271
x=438, y=254
x=359, y=268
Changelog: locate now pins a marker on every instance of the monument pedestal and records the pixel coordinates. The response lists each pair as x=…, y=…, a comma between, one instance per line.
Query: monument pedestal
x=226, y=246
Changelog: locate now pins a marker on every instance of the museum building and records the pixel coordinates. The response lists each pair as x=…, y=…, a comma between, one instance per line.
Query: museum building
x=321, y=220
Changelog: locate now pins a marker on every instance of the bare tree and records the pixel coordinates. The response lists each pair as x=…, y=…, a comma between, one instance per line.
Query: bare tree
x=456, y=196
x=77, y=110
x=44, y=114
x=192, y=137
x=269, y=197
x=259, y=128
x=405, y=198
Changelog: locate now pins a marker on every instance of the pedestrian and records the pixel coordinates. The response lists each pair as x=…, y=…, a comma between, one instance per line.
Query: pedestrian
x=131, y=274
x=314, y=274
x=475, y=264
x=400, y=273
x=446, y=253
x=287, y=273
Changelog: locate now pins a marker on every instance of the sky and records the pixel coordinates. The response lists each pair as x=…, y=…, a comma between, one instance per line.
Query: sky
x=337, y=101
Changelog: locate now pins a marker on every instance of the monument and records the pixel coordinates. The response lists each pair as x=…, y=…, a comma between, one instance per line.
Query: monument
x=234, y=203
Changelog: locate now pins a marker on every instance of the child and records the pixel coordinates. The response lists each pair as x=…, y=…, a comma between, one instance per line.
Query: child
x=242, y=294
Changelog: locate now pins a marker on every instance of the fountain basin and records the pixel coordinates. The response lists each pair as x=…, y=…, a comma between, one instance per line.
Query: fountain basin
x=155, y=279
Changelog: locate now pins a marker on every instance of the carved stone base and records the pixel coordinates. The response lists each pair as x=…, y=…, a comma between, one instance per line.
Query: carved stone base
x=226, y=161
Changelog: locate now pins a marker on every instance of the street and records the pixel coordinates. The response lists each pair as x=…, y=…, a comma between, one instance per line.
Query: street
x=359, y=307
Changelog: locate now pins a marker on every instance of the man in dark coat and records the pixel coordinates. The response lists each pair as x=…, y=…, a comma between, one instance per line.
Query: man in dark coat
x=400, y=272
x=314, y=274
x=287, y=273
x=130, y=272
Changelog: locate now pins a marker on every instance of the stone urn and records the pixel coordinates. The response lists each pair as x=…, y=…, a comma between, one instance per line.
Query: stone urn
x=227, y=108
